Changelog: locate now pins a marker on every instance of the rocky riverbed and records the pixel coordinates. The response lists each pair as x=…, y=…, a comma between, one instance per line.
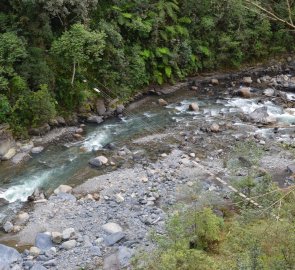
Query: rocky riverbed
x=103, y=222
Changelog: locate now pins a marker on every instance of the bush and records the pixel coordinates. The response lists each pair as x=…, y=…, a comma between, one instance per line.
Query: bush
x=34, y=108
x=5, y=109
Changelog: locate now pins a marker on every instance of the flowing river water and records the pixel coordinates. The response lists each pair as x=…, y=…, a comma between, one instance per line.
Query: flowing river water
x=68, y=163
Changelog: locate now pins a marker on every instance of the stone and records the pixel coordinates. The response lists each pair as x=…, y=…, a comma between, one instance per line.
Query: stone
x=16, y=228
x=194, y=107
x=112, y=239
x=40, y=130
x=95, y=251
x=69, y=244
x=144, y=179
x=112, y=228
x=98, y=241
x=269, y=92
x=95, y=119
x=20, y=157
x=247, y=80
x=61, y=121
x=56, y=237
x=43, y=241
x=192, y=155
x=120, y=109
x=245, y=92
x=119, y=198
x=98, y=161
x=291, y=168
x=8, y=255
x=38, y=266
x=10, y=154
x=215, y=81
x=162, y=102
x=68, y=233
x=34, y=251
x=260, y=115
x=78, y=136
x=100, y=107
x=124, y=255
x=214, y=127
x=63, y=189
x=79, y=130
x=37, y=150
x=27, y=147
x=22, y=218
x=8, y=227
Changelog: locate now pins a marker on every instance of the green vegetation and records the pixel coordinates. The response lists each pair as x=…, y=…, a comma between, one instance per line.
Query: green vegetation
x=72, y=46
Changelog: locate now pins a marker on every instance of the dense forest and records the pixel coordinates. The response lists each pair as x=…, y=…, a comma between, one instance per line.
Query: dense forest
x=53, y=53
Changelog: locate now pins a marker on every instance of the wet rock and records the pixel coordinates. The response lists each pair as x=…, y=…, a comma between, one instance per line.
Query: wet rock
x=112, y=228
x=3, y=202
x=120, y=108
x=260, y=115
x=8, y=256
x=43, y=241
x=162, y=102
x=269, y=92
x=69, y=244
x=245, y=92
x=20, y=157
x=112, y=239
x=100, y=107
x=8, y=227
x=22, y=218
x=37, y=150
x=68, y=233
x=98, y=161
x=56, y=237
x=194, y=107
x=10, y=154
x=103, y=159
x=95, y=119
x=63, y=189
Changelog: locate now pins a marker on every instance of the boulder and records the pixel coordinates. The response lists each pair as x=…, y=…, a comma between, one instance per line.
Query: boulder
x=215, y=81
x=112, y=239
x=8, y=256
x=27, y=147
x=10, y=154
x=100, y=107
x=63, y=189
x=34, y=251
x=39, y=131
x=103, y=160
x=8, y=227
x=37, y=150
x=215, y=127
x=22, y=218
x=20, y=157
x=261, y=115
x=120, y=108
x=3, y=202
x=112, y=228
x=38, y=266
x=69, y=244
x=269, y=92
x=68, y=233
x=194, y=107
x=61, y=121
x=162, y=102
x=95, y=119
x=98, y=161
x=247, y=80
x=245, y=92
x=43, y=241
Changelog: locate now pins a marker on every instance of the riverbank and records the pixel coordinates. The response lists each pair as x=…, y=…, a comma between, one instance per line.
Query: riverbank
x=139, y=199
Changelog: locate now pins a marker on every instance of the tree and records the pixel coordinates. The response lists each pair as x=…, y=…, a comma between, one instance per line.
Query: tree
x=281, y=11
x=78, y=47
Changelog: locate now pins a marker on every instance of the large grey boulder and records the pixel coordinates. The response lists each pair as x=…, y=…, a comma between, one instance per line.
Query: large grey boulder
x=95, y=119
x=43, y=241
x=8, y=256
x=100, y=107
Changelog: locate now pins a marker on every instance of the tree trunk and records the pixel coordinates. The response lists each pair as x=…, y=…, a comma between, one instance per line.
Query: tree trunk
x=74, y=73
